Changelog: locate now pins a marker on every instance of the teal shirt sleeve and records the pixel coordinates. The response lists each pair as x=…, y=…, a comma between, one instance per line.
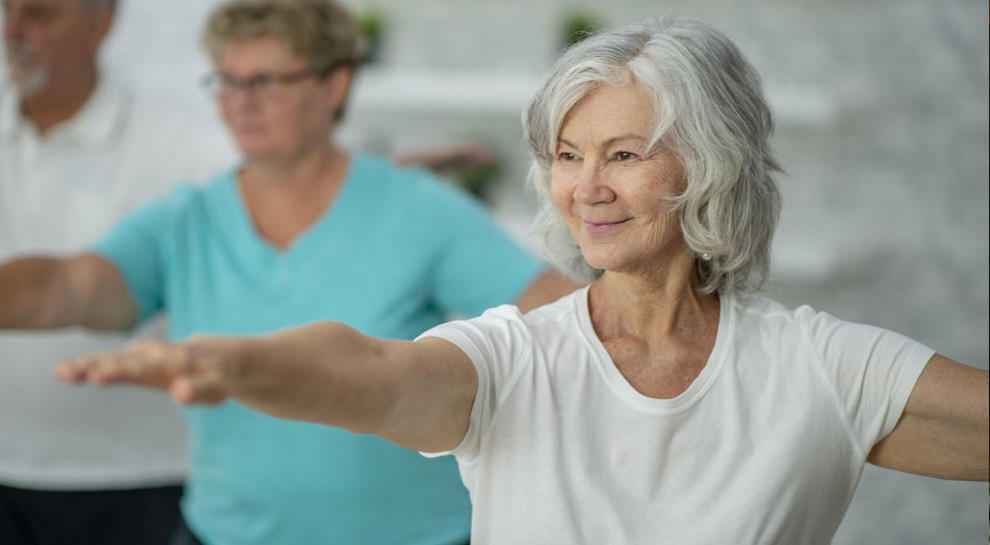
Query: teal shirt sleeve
x=478, y=266
x=136, y=247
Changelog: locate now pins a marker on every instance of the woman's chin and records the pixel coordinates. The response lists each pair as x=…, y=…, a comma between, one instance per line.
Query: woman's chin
x=257, y=153
x=603, y=263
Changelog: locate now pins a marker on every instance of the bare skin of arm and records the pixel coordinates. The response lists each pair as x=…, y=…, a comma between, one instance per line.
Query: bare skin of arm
x=945, y=429
x=547, y=288
x=48, y=293
x=415, y=394
x=419, y=394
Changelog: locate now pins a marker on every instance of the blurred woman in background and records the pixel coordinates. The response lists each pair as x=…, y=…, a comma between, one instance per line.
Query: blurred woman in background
x=301, y=231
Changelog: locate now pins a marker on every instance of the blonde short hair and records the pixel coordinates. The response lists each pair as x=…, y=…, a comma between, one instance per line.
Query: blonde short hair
x=319, y=31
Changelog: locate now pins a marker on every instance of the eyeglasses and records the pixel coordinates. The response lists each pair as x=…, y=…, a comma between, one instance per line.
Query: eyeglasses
x=266, y=85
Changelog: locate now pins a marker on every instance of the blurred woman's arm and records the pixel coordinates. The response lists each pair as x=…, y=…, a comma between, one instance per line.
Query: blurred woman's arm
x=48, y=293
x=415, y=394
x=546, y=288
x=945, y=428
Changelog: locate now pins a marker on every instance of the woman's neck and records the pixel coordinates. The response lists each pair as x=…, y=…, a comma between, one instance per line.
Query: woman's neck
x=296, y=177
x=285, y=197
x=657, y=328
x=655, y=304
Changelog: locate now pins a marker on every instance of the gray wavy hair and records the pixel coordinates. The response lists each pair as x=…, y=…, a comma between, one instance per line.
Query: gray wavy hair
x=709, y=109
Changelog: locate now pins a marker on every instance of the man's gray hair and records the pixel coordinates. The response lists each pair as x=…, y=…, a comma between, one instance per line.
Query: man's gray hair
x=709, y=109
x=97, y=6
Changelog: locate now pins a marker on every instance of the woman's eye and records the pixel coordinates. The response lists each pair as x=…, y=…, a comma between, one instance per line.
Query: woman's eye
x=566, y=156
x=623, y=156
x=267, y=81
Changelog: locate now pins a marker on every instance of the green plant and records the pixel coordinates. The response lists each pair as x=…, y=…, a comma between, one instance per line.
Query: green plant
x=578, y=25
x=371, y=23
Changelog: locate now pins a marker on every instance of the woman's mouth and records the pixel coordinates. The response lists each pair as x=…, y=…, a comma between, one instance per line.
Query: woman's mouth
x=600, y=227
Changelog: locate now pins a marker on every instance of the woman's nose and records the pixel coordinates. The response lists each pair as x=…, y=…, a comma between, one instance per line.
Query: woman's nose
x=592, y=187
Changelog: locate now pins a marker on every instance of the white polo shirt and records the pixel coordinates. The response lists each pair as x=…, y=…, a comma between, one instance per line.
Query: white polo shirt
x=59, y=193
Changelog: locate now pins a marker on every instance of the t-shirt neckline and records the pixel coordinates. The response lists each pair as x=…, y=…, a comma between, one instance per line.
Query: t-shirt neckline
x=330, y=215
x=625, y=391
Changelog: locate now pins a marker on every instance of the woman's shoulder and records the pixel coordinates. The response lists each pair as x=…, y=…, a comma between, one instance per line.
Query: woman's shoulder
x=411, y=187
x=758, y=307
x=191, y=198
x=551, y=322
x=763, y=317
x=548, y=320
x=565, y=308
x=376, y=172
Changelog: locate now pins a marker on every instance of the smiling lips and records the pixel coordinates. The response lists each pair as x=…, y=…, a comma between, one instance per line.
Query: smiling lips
x=597, y=228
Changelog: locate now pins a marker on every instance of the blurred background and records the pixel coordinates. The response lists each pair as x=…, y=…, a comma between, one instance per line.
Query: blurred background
x=882, y=112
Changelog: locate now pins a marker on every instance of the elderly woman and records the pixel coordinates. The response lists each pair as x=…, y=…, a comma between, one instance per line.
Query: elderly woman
x=302, y=231
x=665, y=403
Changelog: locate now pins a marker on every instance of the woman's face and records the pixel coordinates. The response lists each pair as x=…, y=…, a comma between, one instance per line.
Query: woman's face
x=280, y=108
x=612, y=191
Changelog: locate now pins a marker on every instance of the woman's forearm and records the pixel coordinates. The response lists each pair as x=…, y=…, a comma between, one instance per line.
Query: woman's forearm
x=27, y=287
x=324, y=372
x=418, y=395
x=47, y=293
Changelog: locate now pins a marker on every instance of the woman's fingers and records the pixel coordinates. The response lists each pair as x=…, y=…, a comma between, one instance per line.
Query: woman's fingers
x=191, y=376
x=75, y=369
x=207, y=389
x=101, y=369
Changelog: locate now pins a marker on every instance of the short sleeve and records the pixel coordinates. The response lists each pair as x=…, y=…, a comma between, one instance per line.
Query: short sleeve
x=478, y=265
x=136, y=246
x=873, y=371
x=501, y=347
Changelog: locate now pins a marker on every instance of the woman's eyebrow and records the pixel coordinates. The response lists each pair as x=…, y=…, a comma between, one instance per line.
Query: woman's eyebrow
x=608, y=142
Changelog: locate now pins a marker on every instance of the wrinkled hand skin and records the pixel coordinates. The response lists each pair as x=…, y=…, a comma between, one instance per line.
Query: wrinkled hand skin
x=198, y=371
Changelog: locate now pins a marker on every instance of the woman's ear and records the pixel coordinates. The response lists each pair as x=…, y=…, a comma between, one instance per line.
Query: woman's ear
x=338, y=83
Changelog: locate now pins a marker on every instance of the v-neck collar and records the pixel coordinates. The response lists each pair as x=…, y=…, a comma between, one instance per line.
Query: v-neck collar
x=626, y=392
x=335, y=213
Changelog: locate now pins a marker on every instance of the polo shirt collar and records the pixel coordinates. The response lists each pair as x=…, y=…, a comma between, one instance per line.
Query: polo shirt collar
x=10, y=115
x=94, y=124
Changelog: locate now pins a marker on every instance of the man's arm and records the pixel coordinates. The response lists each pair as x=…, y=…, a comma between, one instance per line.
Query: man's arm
x=945, y=429
x=48, y=293
x=416, y=394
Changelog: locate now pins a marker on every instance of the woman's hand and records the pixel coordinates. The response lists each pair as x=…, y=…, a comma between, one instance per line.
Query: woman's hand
x=416, y=394
x=201, y=370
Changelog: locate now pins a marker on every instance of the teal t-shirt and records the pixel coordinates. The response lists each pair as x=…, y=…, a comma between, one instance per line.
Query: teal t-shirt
x=395, y=253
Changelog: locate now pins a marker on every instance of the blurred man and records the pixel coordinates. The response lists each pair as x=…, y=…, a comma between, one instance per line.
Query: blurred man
x=77, y=152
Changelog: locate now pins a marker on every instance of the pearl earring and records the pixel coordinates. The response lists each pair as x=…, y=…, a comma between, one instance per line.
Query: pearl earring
x=705, y=256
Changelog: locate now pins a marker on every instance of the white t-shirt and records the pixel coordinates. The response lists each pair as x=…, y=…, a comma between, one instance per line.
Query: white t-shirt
x=765, y=446
x=59, y=194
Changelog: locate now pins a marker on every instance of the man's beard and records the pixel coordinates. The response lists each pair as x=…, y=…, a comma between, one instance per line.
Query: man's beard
x=26, y=72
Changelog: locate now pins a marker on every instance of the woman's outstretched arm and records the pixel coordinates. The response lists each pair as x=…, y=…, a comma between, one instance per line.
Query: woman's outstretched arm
x=945, y=429
x=415, y=394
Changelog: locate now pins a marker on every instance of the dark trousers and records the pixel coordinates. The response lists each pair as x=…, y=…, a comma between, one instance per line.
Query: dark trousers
x=106, y=517
x=183, y=535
